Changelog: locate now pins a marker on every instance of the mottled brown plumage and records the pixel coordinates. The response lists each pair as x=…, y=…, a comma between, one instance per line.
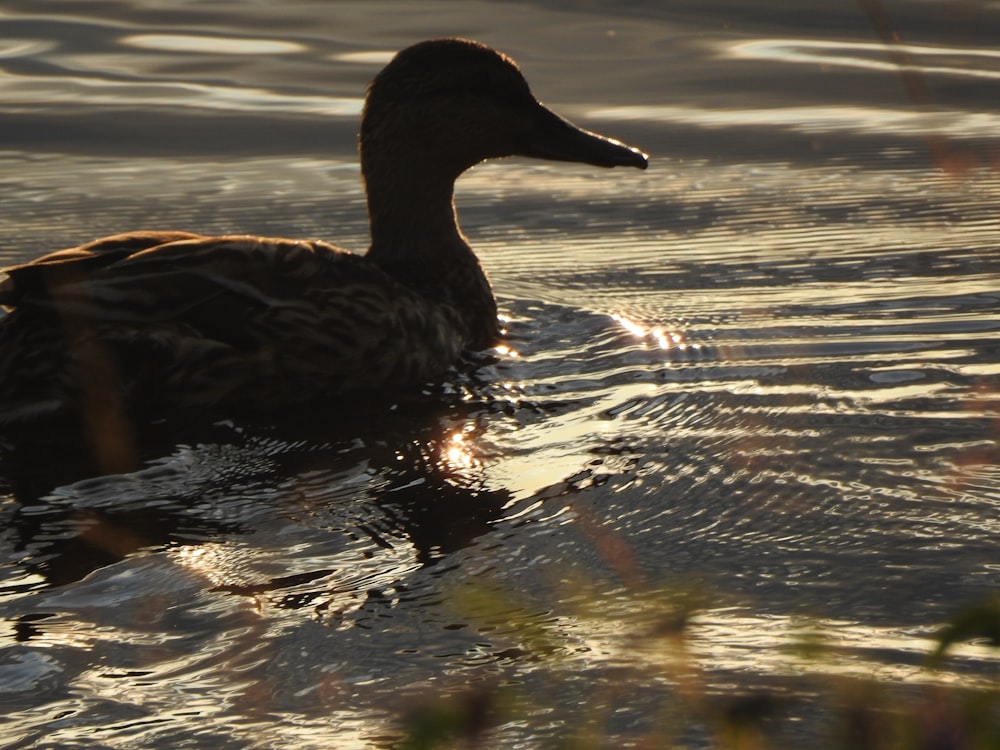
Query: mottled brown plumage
x=167, y=321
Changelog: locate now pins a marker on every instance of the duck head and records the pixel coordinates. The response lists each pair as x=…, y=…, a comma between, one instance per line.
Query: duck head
x=441, y=106
x=436, y=109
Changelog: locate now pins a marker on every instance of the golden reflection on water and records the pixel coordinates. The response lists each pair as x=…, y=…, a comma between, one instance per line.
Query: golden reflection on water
x=211, y=44
x=816, y=119
x=458, y=453
x=210, y=562
x=79, y=89
x=365, y=57
x=663, y=339
x=965, y=61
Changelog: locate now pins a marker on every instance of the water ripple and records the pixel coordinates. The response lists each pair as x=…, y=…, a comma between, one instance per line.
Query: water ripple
x=211, y=44
x=953, y=61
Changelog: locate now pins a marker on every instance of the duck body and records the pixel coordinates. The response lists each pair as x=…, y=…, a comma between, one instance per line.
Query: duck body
x=240, y=321
x=160, y=322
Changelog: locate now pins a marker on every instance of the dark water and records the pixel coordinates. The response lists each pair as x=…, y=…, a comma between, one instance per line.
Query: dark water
x=761, y=376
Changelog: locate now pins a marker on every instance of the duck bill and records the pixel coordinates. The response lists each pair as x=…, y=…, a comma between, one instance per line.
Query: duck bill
x=552, y=137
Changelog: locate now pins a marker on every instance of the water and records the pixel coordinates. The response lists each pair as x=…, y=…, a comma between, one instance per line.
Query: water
x=749, y=401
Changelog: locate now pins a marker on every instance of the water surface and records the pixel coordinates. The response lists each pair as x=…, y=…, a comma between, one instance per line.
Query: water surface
x=749, y=396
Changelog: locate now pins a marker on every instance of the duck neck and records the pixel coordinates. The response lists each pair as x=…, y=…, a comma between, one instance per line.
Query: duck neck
x=412, y=218
x=417, y=241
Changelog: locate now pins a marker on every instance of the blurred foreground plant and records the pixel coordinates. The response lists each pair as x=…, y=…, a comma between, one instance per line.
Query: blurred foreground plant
x=653, y=690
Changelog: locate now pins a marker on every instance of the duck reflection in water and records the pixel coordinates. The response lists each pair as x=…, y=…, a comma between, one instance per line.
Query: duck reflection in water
x=153, y=324
x=398, y=482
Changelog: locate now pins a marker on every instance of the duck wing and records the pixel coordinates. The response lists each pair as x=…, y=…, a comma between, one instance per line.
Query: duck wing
x=31, y=279
x=191, y=321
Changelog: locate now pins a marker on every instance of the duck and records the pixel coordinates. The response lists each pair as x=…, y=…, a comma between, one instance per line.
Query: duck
x=166, y=322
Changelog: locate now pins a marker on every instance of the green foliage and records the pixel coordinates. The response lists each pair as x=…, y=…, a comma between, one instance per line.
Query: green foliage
x=978, y=622
x=856, y=712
